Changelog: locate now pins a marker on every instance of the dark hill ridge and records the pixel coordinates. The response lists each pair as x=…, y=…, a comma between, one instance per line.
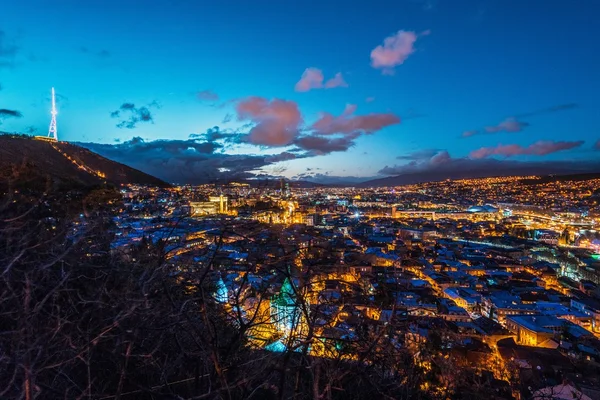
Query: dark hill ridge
x=564, y=178
x=547, y=174
x=69, y=162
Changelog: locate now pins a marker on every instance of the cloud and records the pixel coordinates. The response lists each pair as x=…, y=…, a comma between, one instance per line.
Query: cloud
x=419, y=163
x=514, y=124
x=349, y=109
x=470, y=133
x=419, y=155
x=4, y=113
x=207, y=95
x=394, y=51
x=279, y=123
x=548, y=110
x=9, y=113
x=597, y=145
x=131, y=115
x=320, y=145
x=327, y=179
x=276, y=122
x=227, y=118
x=8, y=51
x=508, y=125
x=337, y=133
x=348, y=123
x=540, y=148
x=226, y=137
x=285, y=156
x=370, y=99
x=336, y=81
x=312, y=78
x=186, y=161
x=440, y=158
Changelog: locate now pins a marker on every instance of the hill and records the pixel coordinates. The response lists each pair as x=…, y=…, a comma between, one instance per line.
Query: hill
x=66, y=161
x=563, y=178
x=548, y=174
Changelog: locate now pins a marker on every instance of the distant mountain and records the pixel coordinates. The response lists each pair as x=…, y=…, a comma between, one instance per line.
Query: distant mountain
x=549, y=172
x=564, y=178
x=66, y=161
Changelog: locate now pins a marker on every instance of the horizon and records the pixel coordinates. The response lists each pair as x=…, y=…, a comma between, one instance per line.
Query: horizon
x=426, y=89
x=300, y=199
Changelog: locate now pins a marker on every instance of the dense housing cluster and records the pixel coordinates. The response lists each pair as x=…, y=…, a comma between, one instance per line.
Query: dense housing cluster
x=501, y=274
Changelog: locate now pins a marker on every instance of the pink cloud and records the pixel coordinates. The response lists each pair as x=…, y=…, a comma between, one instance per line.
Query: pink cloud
x=276, y=121
x=349, y=110
x=510, y=124
x=336, y=81
x=514, y=123
x=470, y=133
x=394, y=51
x=440, y=158
x=312, y=78
x=370, y=99
x=540, y=148
x=348, y=123
x=343, y=130
x=423, y=160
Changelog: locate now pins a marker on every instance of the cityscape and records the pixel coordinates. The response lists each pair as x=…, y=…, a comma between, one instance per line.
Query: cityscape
x=405, y=248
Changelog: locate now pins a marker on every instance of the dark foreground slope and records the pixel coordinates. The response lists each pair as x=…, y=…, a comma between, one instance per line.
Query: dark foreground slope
x=66, y=161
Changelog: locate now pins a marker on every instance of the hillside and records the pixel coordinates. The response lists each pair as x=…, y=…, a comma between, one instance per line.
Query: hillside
x=549, y=174
x=66, y=161
x=563, y=178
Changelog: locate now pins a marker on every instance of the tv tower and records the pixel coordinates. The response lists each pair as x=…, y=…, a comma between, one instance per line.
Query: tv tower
x=52, y=132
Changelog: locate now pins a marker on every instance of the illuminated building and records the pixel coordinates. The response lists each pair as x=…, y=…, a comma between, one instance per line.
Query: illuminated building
x=221, y=294
x=214, y=205
x=485, y=209
x=536, y=330
x=590, y=307
x=287, y=316
x=308, y=220
x=221, y=201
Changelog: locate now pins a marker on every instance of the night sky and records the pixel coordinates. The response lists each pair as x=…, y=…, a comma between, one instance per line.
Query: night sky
x=193, y=91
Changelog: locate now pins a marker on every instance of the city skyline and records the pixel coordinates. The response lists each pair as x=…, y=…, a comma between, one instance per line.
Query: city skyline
x=325, y=94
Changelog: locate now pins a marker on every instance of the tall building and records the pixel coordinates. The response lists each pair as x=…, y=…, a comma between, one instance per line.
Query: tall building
x=221, y=201
x=214, y=205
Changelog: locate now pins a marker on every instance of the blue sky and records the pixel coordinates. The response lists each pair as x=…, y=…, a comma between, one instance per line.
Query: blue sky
x=523, y=74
